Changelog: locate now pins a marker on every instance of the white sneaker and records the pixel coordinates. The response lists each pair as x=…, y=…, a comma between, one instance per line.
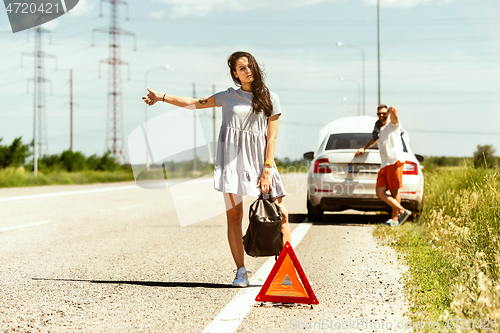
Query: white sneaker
x=241, y=279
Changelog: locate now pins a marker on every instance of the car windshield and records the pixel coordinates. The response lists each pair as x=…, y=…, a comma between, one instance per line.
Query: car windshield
x=349, y=141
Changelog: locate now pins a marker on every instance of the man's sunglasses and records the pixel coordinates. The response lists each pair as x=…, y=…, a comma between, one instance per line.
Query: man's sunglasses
x=382, y=113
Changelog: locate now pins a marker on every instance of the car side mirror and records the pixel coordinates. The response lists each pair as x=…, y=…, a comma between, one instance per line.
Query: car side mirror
x=309, y=155
x=420, y=158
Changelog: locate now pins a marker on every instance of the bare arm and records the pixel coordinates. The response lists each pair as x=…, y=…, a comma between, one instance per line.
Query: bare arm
x=265, y=181
x=181, y=101
x=272, y=134
x=393, y=112
x=361, y=151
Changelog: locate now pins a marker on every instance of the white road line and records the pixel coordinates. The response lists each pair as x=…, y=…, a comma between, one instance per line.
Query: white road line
x=130, y=207
x=25, y=226
x=190, y=181
x=57, y=194
x=232, y=315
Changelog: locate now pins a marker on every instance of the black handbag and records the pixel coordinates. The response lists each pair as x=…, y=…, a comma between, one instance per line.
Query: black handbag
x=263, y=237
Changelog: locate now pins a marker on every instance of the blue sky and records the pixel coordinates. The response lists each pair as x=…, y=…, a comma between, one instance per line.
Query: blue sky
x=440, y=66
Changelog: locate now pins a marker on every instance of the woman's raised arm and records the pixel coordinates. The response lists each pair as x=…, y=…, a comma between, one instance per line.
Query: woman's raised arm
x=181, y=101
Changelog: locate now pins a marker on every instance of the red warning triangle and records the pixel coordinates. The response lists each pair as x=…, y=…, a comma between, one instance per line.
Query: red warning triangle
x=283, y=285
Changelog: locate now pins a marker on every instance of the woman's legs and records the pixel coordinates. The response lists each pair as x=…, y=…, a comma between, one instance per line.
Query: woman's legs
x=234, y=214
x=285, y=226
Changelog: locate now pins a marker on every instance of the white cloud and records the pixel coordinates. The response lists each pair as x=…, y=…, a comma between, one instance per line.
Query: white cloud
x=183, y=8
x=200, y=8
x=403, y=3
x=83, y=8
x=157, y=15
x=51, y=25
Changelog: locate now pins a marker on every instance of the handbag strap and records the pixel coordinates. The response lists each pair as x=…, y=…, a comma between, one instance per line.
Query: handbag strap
x=252, y=206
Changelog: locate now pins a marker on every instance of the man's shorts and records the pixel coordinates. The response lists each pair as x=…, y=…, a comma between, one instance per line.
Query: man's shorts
x=391, y=176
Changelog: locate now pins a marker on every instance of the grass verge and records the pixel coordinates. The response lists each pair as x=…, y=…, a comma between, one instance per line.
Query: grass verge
x=16, y=177
x=453, y=250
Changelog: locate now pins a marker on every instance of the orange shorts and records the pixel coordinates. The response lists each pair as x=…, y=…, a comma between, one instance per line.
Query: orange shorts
x=391, y=176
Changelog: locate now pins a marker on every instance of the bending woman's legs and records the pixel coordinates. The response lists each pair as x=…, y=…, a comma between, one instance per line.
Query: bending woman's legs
x=234, y=214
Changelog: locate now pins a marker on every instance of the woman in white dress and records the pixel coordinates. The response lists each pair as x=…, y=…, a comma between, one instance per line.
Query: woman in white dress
x=245, y=148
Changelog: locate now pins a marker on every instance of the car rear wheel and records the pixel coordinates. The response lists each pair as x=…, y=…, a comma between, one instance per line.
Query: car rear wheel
x=314, y=214
x=414, y=215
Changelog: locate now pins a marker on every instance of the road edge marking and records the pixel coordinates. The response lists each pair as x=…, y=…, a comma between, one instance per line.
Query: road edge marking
x=130, y=207
x=57, y=194
x=25, y=226
x=235, y=311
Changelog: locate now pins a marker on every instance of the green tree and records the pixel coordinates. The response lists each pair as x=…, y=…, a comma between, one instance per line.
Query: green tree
x=14, y=155
x=50, y=163
x=74, y=161
x=485, y=157
x=107, y=162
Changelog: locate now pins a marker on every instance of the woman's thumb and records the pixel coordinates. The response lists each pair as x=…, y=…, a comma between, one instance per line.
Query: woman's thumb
x=148, y=89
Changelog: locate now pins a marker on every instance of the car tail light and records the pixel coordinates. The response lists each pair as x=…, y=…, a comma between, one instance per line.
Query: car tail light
x=410, y=168
x=322, y=166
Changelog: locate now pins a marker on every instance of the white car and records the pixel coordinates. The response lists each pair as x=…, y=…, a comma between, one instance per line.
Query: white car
x=337, y=180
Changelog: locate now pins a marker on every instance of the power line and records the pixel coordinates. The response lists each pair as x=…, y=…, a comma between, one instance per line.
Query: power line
x=63, y=31
x=409, y=130
x=331, y=91
x=295, y=22
x=454, y=132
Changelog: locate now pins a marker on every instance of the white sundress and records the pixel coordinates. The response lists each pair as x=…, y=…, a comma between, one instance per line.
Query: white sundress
x=241, y=147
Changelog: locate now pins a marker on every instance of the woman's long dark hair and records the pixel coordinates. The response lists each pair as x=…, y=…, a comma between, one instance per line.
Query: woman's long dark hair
x=261, y=100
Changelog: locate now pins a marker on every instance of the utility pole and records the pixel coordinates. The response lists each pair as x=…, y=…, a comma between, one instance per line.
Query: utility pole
x=40, y=146
x=378, y=47
x=114, y=134
x=194, y=127
x=71, y=108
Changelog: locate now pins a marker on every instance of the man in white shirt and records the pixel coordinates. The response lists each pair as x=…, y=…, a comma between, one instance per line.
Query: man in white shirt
x=387, y=134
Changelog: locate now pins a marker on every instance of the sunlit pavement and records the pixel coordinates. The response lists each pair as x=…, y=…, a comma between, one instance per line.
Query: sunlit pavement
x=113, y=258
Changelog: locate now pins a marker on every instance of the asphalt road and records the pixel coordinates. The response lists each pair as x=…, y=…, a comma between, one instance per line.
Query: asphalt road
x=113, y=258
